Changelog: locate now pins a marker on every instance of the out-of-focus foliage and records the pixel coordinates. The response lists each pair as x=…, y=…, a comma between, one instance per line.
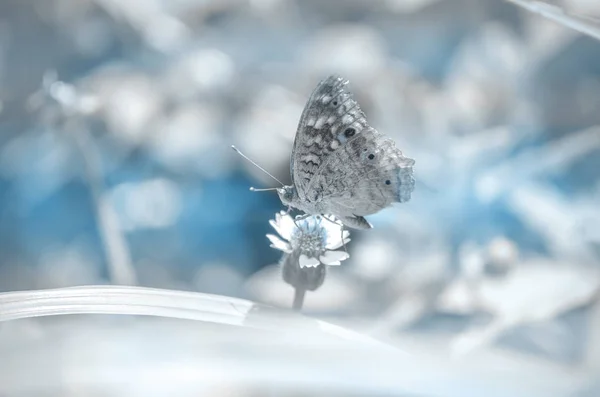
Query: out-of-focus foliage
x=116, y=120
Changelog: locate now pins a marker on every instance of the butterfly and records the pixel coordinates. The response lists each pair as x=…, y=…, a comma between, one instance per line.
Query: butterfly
x=342, y=166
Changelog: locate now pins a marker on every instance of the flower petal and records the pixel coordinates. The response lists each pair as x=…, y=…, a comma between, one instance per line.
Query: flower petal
x=279, y=244
x=286, y=225
x=305, y=261
x=334, y=240
x=333, y=256
x=275, y=226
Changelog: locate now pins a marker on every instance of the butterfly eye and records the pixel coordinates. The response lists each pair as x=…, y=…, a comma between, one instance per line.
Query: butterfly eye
x=371, y=156
x=349, y=132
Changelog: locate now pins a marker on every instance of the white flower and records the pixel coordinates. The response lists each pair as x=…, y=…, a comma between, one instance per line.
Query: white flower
x=316, y=239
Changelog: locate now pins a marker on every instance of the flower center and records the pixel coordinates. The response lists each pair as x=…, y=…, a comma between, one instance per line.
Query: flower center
x=310, y=239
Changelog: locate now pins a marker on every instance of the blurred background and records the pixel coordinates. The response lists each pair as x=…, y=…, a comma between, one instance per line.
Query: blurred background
x=116, y=120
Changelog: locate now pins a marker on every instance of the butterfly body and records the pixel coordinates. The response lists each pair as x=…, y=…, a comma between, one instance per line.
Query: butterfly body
x=342, y=166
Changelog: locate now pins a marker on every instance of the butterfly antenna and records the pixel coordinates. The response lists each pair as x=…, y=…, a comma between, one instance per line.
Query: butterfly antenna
x=263, y=190
x=257, y=166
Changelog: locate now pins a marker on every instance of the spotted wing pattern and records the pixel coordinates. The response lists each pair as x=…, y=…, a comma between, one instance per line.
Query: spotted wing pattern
x=341, y=162
x=331, y=117
x=366, y=175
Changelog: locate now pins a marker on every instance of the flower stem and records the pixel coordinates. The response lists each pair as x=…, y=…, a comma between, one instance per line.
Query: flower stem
x=298, y=298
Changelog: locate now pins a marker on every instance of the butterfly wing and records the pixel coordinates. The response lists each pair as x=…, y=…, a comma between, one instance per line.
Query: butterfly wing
x=365, y=175
x=330, y=118
x=341, y=163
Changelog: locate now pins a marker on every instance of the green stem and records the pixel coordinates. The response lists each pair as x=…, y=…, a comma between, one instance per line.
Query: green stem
x=298, y=298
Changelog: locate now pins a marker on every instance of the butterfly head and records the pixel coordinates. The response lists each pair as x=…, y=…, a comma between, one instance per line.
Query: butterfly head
x=287, y=194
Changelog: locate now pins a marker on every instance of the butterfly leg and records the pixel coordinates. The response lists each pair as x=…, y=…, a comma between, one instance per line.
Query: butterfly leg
x=300, y=218
x=356, y=222
x=289, y=209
